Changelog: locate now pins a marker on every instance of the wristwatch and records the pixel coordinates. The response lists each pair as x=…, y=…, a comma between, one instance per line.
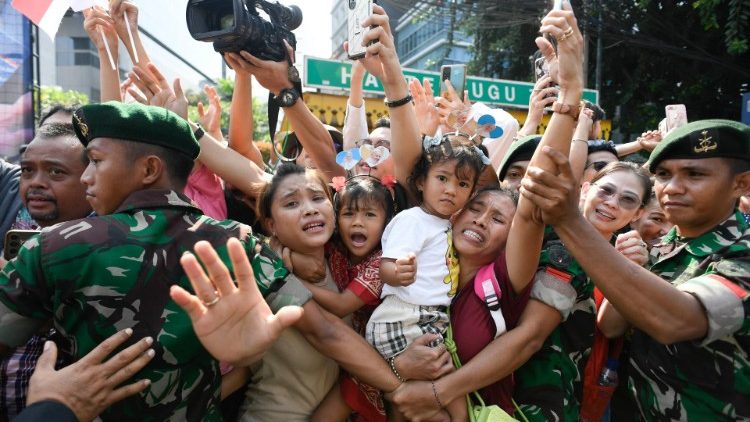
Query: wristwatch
x=293, y=74
x=287, y=97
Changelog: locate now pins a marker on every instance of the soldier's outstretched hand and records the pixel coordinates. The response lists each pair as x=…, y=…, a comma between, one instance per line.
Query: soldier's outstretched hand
x=233, y=322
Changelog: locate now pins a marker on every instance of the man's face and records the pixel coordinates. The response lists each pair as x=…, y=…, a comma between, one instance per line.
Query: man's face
x=514, y=175
x=50, y=180
x=696, y=195
x=111, y=175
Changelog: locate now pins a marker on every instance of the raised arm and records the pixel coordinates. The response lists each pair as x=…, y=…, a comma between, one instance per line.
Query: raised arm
x=648, y=302
x=355, y=120
x=579, y=147
x=125, y=15
x=97, y=25
x=241, y=116
x=382, y=61
x=310, y=131
x=527, y=230
x=542, y=96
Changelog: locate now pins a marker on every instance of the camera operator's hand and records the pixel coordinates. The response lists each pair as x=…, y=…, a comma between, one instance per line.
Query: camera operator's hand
x=274, y=76
x=157, y=92
x=381, y=59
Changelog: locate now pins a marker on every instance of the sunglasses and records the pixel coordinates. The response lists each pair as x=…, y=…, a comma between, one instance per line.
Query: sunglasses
x=374, y=142
x=627, y=201
x=598, y=165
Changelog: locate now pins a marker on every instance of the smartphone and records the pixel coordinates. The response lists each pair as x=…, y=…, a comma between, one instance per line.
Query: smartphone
x=359, y=10
x=676, y=116
x=14, y=239
x=541, y=68
x=456, y=73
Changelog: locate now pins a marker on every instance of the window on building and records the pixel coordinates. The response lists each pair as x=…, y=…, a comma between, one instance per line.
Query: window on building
x=76, y=51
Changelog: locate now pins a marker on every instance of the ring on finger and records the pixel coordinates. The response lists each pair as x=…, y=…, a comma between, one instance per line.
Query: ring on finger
x=212, y=302
x=565, y=35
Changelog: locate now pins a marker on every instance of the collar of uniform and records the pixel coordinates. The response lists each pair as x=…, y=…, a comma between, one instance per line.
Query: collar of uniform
x=155, y=198
x=724, y=234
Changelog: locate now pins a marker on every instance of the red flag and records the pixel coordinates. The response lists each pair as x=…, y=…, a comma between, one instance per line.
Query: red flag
x=47, y=14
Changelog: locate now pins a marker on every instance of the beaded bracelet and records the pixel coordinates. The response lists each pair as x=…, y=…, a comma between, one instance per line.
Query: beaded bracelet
x=392, y=363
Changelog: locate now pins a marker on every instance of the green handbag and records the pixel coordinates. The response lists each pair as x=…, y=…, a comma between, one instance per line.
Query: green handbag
x=478, y=411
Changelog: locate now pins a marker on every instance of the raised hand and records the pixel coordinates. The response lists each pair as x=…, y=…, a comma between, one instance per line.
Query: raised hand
x=210, y=116
x=566, y=65
x=157, y=91
x=453, y=111
x=425, y=106
x=632, y=246
x=92, y=384
x=272, y=75
x=221, y=310
x=381, y=59
x=95, y=18
x=556, y=192
x=649, y=140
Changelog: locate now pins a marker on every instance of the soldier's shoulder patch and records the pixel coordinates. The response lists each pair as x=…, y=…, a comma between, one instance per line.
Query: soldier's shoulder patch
x=737, y=270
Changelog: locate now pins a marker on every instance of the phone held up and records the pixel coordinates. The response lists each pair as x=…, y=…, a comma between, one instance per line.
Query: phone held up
x=14, y=239
x=359, y=10
x=456, y=73
x=676, y=116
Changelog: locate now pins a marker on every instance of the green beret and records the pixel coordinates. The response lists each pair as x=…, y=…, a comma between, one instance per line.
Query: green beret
x=703, y=139
x=520, y=150
x=135, y=122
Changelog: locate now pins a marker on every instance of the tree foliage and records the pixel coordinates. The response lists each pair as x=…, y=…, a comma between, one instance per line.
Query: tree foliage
x=654, y=53
x=54, y=95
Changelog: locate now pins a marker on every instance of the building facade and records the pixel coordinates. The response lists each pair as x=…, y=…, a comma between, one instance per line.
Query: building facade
x=340, y=12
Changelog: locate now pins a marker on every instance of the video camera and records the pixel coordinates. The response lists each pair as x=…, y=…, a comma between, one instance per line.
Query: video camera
x=236, y=25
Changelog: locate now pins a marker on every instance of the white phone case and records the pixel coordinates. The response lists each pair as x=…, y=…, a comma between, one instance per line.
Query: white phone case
x=359, y=10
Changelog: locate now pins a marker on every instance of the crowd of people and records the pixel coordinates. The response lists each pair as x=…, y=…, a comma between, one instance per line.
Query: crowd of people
x=421, y=271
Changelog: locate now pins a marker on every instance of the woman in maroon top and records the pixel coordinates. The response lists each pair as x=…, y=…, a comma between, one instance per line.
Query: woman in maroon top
x=480, y=232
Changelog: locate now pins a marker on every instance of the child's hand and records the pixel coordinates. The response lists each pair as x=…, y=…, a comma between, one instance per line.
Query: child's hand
x=406, y=269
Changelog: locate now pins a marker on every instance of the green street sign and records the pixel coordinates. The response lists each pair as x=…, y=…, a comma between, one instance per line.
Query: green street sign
x=334, y=75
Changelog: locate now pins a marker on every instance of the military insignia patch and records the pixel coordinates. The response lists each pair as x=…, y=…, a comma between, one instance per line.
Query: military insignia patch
x=705, y=143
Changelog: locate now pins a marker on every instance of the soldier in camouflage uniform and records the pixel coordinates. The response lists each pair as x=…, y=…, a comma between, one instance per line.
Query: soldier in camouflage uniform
x=550, y=385
x=689, y=356
x=98, y=275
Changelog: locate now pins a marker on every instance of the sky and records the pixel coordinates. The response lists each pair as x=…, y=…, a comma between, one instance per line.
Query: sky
x=165, y=19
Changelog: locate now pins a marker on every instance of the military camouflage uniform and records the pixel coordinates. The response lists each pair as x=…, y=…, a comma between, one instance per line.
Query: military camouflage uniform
x=549, y=386
x=706, y=380
x=99, y=275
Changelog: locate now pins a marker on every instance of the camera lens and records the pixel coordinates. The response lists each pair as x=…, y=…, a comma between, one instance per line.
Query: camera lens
x=226, y=21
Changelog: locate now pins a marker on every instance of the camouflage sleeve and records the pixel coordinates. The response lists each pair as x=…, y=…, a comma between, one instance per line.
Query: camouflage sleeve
x=552, y=287
x=724, y=294
x=277, y=285
x=24, y=300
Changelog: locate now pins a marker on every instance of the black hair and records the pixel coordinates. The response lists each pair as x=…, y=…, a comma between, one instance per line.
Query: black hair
x=639, y=172
x=268, y=191
x=503, y=191
x=57, y=108
x=57, y=130
x=382, y=122
x=360, y=190
x=177, y=164
x=602, y=145
x=468, y=162
x=737, y=165
x=598, y=111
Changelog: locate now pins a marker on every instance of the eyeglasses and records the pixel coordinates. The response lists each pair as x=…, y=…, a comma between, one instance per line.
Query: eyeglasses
x=627, y=201
x=374, y=142
x=598, y=165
